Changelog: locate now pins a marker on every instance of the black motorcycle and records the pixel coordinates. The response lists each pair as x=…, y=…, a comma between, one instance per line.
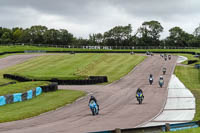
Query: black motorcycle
x=151, y=80
x=169, y=57
x=164, y=70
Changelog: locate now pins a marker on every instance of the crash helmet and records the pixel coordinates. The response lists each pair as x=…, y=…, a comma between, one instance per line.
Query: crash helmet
x=161, y=77
x=92, y=97
x=139, y=89
x=151, y=75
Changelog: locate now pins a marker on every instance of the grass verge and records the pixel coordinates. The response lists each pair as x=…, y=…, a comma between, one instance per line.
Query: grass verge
x=191, y=79
x=78, y=66
x=190, y=57
x=40, y=104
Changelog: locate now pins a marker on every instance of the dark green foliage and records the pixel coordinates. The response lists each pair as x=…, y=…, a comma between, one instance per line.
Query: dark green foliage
x=147, y=35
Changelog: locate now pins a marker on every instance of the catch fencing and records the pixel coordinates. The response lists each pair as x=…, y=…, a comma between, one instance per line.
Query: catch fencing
x=99, y=47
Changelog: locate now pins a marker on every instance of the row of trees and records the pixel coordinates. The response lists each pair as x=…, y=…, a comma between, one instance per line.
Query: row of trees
x=148, y=34
x=35, y=35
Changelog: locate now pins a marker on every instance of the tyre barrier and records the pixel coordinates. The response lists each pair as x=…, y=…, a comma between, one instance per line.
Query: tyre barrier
x=192, y=61
x=19, y=97
x=52, y=87
x=7, y=83
x=34, y=51
x=90, y=80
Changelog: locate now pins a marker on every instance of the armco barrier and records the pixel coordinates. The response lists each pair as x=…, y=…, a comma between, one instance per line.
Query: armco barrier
x=90, y=80
x=155, y=129
x=128, y=51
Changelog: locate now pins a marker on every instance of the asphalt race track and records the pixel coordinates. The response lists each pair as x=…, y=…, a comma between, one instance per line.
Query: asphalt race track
x=118, y=105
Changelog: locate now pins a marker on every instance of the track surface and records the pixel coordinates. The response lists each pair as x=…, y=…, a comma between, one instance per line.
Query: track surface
x=118, y=105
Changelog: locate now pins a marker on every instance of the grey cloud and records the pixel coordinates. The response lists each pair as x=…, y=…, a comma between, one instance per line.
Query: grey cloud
x=98, y=15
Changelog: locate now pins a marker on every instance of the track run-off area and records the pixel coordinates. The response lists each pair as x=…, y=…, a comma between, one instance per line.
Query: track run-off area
x=118, y=105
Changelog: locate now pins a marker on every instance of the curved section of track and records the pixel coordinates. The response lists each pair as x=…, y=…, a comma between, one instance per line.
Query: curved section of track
x=118, y=105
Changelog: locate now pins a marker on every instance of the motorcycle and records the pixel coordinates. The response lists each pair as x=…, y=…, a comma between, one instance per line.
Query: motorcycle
x=169, y=57
x=161, y=83
x=140, y=97
x=150, y=80
x=164, y=70
x=94, y=108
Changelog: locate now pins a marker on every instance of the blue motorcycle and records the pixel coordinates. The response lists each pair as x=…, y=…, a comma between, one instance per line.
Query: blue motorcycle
x=94, y=108
x=161, y=83
x=139, y=97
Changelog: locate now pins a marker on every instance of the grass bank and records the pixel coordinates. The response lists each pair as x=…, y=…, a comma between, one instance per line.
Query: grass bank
x=190, y=57
x=191, y=79
x=43, y=103
x=78, y=66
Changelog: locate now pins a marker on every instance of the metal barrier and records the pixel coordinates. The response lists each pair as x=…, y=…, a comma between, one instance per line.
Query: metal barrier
x=155, y=129
x=99, y=47
x=182, y=126
x=197, y=66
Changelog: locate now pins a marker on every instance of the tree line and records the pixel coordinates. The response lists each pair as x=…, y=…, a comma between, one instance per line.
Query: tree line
x=148, y=34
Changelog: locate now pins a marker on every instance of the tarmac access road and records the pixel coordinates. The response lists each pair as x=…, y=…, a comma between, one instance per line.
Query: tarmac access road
x=118, y=105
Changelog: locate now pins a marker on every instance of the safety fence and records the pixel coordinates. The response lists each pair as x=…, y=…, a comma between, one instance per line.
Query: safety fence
x=90, y=80
x=97, y=51
x=155, y=129
x=133, y=46
x=19, y=97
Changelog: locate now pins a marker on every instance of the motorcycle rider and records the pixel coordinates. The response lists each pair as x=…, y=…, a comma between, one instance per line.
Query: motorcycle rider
x=95, y=100
x=151, y=78
x=161, y=81
x=169, y=57
x=164, y=70
x=139, y=91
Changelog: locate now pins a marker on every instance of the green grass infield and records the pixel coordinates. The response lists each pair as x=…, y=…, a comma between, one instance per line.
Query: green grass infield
x=78, y=66
x=41, y=104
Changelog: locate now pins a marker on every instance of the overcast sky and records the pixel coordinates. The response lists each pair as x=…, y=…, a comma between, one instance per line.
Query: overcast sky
x=84, y=17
